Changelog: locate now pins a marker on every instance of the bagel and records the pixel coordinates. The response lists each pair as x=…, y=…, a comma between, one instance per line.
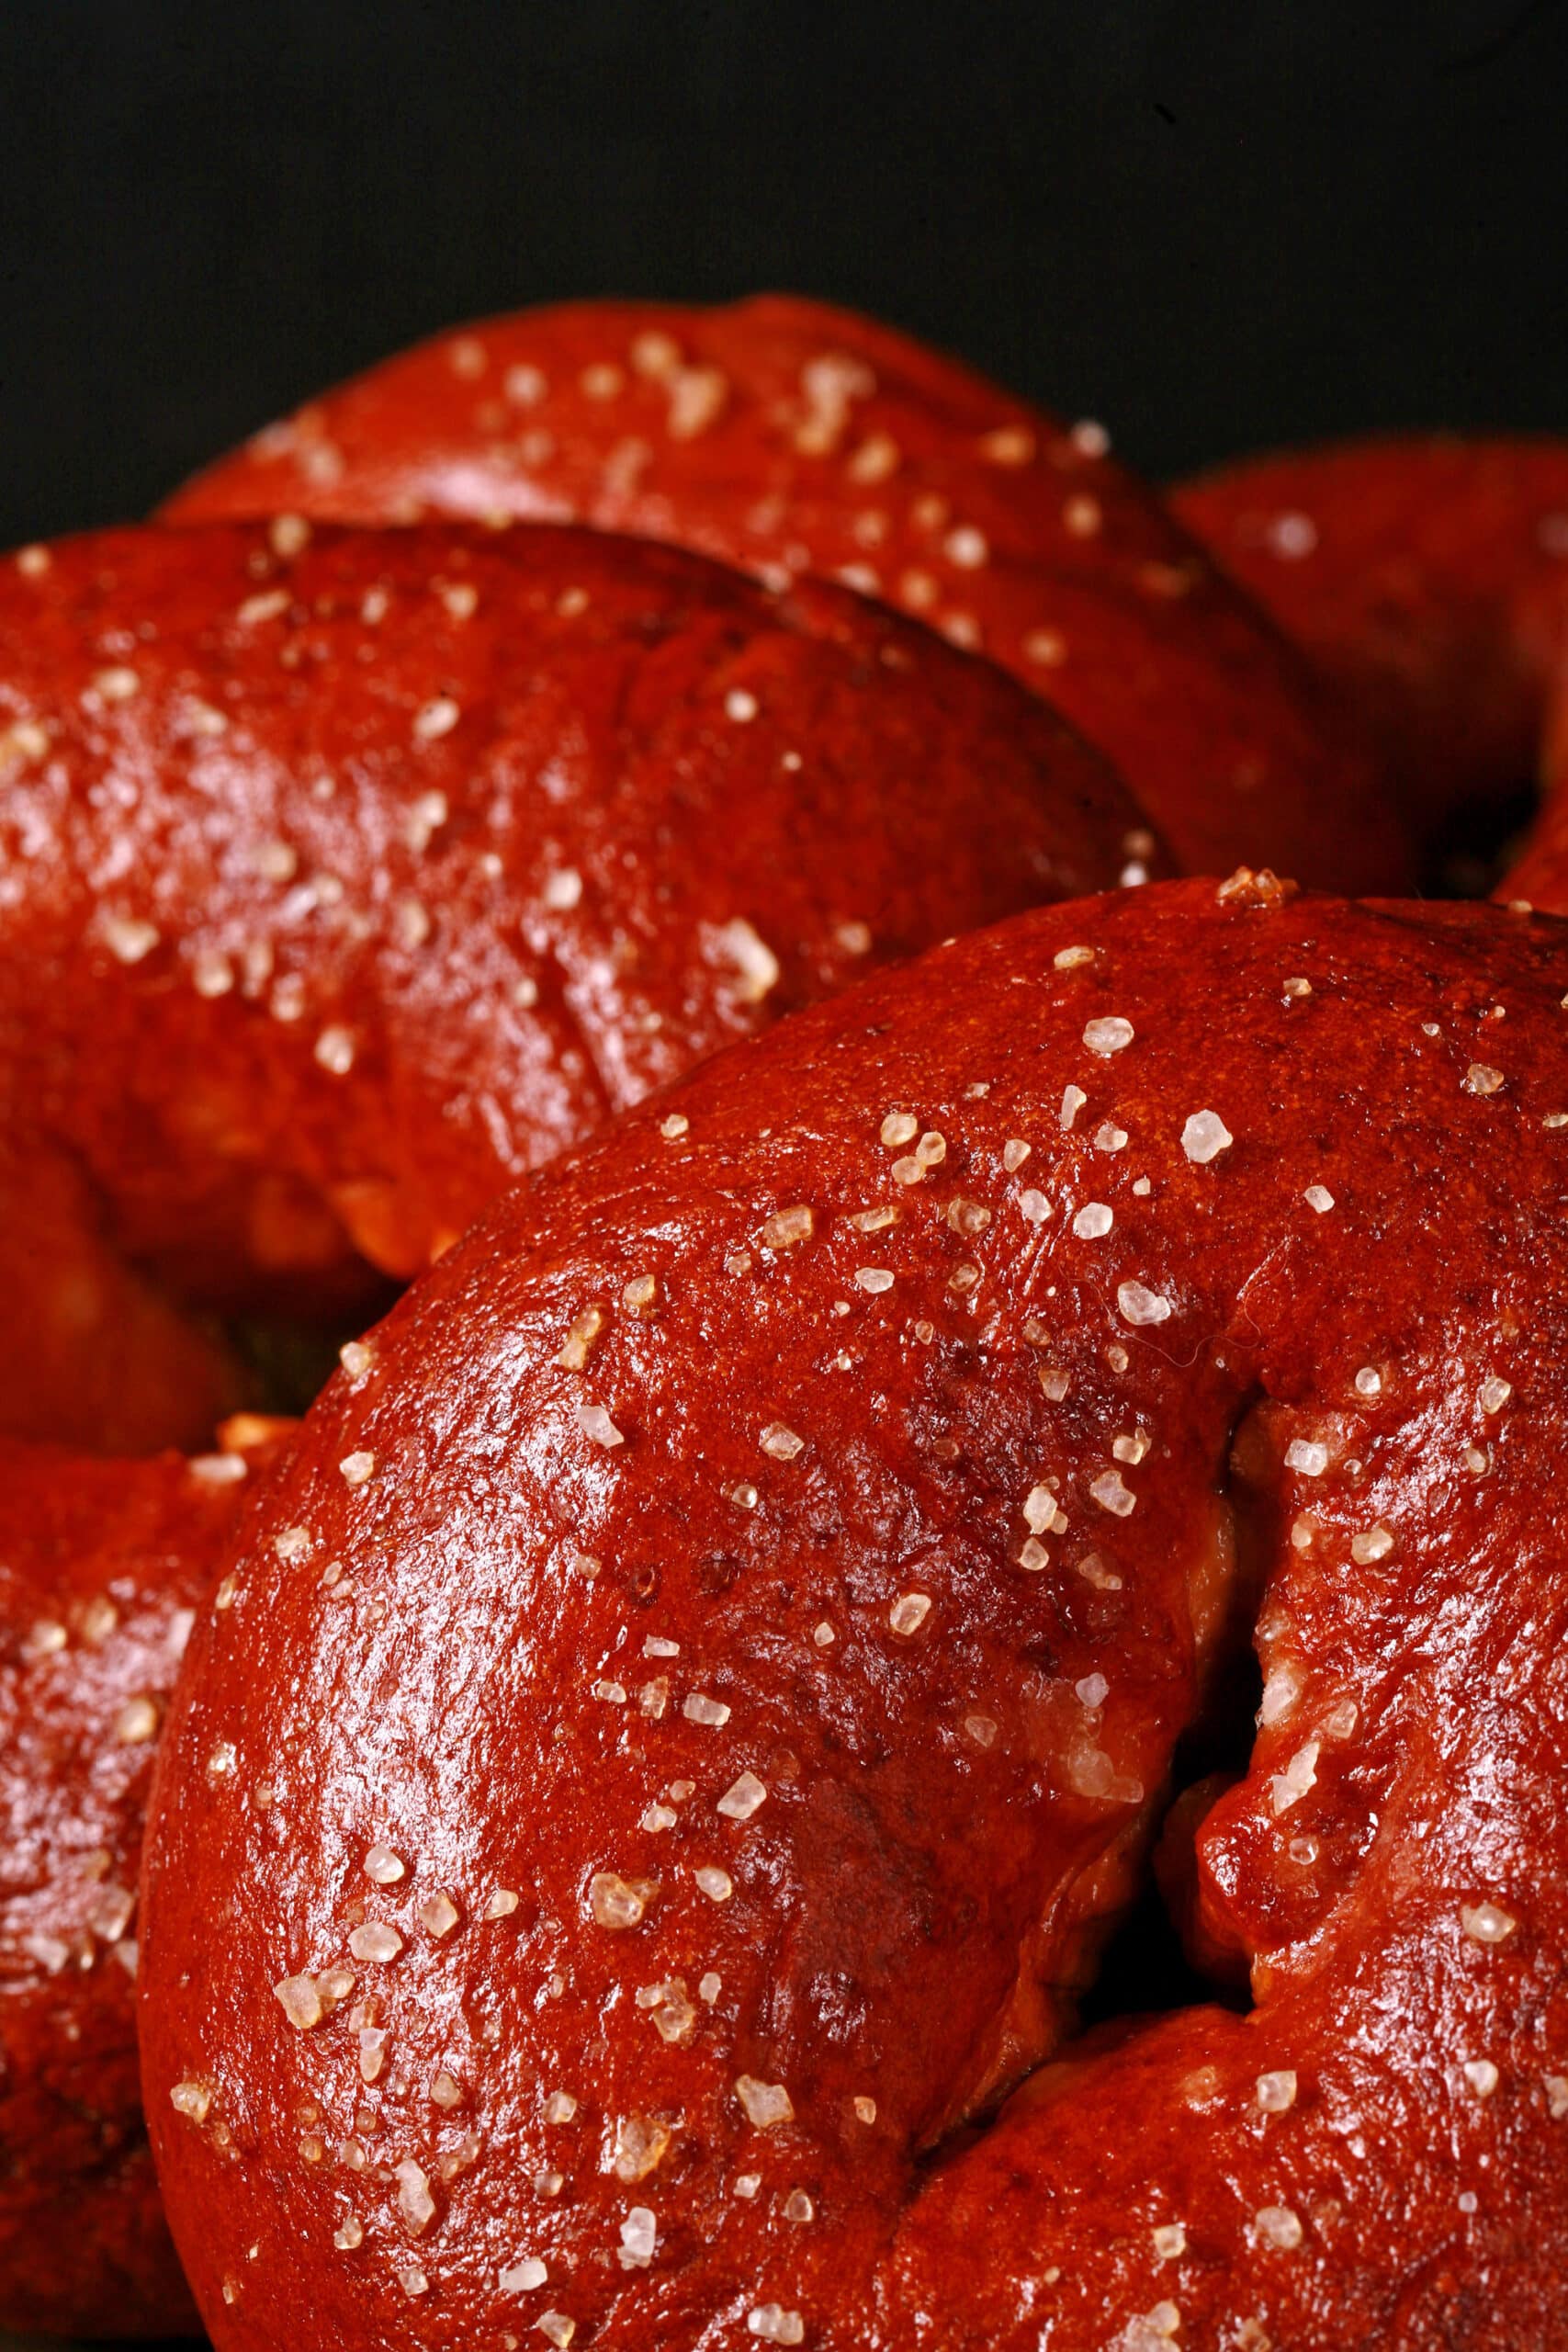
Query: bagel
x=354, y=873
x=351, y=873
x=104, y=1567
x=629, y=1833
x=785, y=436
x=344, y=876
x=1426, y=581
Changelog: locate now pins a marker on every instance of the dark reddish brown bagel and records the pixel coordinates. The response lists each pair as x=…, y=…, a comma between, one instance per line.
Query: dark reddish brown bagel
x=786, y=435
x=1427, y=579
x=103, y=1566
x=342, y=877
x=351, y=875
x=716, y=1661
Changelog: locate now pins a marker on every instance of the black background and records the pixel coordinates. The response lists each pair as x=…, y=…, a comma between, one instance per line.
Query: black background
x=1213, y=225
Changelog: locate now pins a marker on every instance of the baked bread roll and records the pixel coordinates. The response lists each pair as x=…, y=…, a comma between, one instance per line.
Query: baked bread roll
x=692, y=1802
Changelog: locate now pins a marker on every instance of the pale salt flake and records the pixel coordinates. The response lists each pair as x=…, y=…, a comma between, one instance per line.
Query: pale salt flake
x=766, y=2104
x=775, y=2324
x=698, y=1708
x=595, y=1423
x=617, y=1903
x=742, y=1798
x=415, y=2202
x=639, y=2235
x=1111, y=1495
x=757, y=969
x=1288, y=1788
x=301, y=2002
x=1486, y=1923
x=1309, y=1458
x=521, y=2276
x=1205, y=1135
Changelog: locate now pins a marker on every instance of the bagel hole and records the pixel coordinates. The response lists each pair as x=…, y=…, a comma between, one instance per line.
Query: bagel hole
x=1145, y=1968
x=1476, y=841
x=286, y=1360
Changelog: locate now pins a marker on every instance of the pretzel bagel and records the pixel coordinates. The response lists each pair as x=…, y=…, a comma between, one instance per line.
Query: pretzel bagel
x=342, y=877
x=104, y=1566
x=789, y=436
x=626, y=1829
x=1426, y=580
x=354, y=875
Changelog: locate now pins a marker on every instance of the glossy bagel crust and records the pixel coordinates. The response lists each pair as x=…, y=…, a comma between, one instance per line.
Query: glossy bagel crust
x=344, y=877
x=103, y=1566
x=706, y=1673
x=1427, y=577
x=786, y=435
x=349, y=874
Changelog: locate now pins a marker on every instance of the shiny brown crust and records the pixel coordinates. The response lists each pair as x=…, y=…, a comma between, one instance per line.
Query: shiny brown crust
x=103, y=1566
x=716, y=1659
x=1427, y=579
x=347, y=876
x=355, y=873
x=786, y=435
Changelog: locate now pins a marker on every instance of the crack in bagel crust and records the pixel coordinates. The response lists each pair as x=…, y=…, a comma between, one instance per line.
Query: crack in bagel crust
x=742, y=1597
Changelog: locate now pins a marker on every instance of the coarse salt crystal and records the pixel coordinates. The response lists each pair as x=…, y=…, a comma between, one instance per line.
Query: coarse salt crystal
x=775, y=2324
x=1309, y=1458
x=520, y=2278
x=1140, y=1306
x=1486, y=1923
x=766, y=2104
x=742, y=1798
x=595, y=1423
x=1205, y=1135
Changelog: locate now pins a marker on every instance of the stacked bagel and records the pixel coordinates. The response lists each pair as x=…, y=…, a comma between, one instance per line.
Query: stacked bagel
x=628, y=1846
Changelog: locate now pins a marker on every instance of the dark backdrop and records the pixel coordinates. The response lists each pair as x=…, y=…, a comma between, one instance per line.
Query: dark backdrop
x=1213, y=224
